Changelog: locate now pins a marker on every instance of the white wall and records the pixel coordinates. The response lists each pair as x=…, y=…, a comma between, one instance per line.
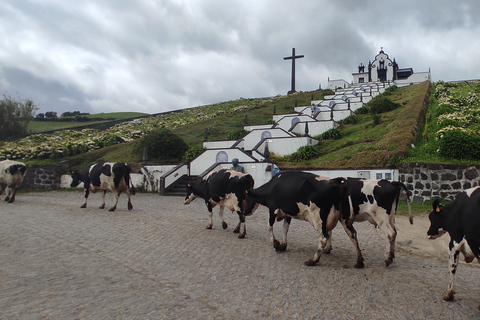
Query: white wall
x=315, y=128
x=285, y=146
x=333, y=84
x=218, y=144
x=378, y=173
x=254, y=137
x=209, y=157
x=414, y=78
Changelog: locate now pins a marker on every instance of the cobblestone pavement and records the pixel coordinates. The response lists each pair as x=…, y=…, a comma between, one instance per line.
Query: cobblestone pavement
x=58, y=261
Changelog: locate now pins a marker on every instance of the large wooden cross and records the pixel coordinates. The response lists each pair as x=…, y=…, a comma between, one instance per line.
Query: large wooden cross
x=293, y=57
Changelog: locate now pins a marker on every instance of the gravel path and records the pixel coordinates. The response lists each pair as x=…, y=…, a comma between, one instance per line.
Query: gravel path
x=159, y=262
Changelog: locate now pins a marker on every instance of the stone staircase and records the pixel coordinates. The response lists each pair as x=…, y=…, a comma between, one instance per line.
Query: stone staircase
x=179, y=187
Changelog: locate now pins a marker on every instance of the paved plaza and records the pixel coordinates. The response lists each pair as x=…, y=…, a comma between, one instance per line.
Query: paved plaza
x=58, y=261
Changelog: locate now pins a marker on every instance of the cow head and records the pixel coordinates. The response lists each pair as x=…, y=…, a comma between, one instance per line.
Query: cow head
x=76, y=178
x=250, y=203
x=190, y=194
x=437, y=218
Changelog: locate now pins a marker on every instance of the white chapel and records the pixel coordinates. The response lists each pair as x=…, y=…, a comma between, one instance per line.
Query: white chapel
x=382, y=69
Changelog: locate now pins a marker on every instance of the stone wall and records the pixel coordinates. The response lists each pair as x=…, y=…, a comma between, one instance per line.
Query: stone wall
x=43, y=177
x=442, y=181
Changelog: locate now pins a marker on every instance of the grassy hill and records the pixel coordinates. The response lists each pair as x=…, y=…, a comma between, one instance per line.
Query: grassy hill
x=361, y=145
x=372, y=141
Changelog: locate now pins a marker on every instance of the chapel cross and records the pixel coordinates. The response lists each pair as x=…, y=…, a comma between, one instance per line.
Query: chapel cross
x=293, y=57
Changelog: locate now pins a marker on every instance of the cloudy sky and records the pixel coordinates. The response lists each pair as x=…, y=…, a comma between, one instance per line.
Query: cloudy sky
x=158, y=55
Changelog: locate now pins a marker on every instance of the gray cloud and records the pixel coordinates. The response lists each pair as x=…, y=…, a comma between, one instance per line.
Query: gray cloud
x=159, y=55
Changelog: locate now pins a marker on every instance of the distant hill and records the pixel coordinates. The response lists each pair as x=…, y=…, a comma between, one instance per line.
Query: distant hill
x=60, y=123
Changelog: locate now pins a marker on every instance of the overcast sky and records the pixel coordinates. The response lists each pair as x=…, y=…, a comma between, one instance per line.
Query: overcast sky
x=158, y=55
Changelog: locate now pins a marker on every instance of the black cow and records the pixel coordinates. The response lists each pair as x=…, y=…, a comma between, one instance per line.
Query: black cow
x=105, y=176
x=305, y=196
x=11, y=177
x=461, y=219
x=376, y=201
x=225, y=188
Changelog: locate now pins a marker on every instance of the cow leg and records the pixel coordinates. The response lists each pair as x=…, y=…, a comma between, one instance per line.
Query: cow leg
x=7, y=194
x=449, y=295
x=241, y=226
x=117, y=196
x=220, y=213
x=129, y=204
x=322, y=244
x=86, y=192
x=282, y=246
x=103, y=198
x=210, y=214
x=13, y=192
x=390, y=243
x=352, y=234
x=328, y=247
x=271, y=222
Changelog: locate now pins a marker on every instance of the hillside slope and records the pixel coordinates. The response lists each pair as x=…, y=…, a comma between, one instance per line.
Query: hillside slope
x=362, y=144
x=368, y=144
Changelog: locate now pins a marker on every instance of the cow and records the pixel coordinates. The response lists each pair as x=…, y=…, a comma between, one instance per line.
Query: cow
x=225, y=188
x=305, y=196
x=461, y=219
x=105, y=176
x=11, y=177
x=376, y=201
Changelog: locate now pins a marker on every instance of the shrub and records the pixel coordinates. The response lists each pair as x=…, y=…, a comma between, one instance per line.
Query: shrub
x=304, y=153
x=460, y=145
x=362, y=110
x=353, y=119
x=237, y=134
x=390, y=90
x=444, y=108
x=376, y=119
x=381, y=104
x=331, y=134
x=448, y=122
x=162, y=145
x=192, y=153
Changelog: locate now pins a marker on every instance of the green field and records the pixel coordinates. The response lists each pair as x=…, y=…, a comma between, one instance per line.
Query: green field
x=44, y=126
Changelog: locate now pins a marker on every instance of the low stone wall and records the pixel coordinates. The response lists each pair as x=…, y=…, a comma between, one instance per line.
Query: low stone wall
x=437, y=181
x=43, y=177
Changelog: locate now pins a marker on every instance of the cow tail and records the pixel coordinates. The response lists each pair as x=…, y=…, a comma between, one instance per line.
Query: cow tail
x=407, y=193
x=130, y=182
x=132, y=188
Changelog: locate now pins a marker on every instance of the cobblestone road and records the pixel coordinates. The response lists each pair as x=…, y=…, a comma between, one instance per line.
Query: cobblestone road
x=58, y=261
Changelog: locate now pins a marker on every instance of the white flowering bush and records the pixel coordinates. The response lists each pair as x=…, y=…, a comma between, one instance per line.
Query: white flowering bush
x=66, y=143
x=458, y=119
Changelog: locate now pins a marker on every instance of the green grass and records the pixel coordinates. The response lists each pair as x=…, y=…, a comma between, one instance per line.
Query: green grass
x=417, y=208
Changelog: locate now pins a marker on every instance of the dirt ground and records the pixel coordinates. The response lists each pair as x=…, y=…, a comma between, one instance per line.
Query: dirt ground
x=413, y=238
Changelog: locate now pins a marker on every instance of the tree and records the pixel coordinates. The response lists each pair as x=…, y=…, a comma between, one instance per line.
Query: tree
x=51, y=114
x=162, y=145
x=15, y=116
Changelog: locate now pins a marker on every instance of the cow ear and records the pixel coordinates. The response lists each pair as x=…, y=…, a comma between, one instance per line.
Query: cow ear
x=438, y=208
x=189, y=185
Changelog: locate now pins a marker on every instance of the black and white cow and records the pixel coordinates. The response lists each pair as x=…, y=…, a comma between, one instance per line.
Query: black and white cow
x=11, y=177
x=225, y=188
x=461, y=219
x=105, y=176
x=308, y=197
x=376, y=201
